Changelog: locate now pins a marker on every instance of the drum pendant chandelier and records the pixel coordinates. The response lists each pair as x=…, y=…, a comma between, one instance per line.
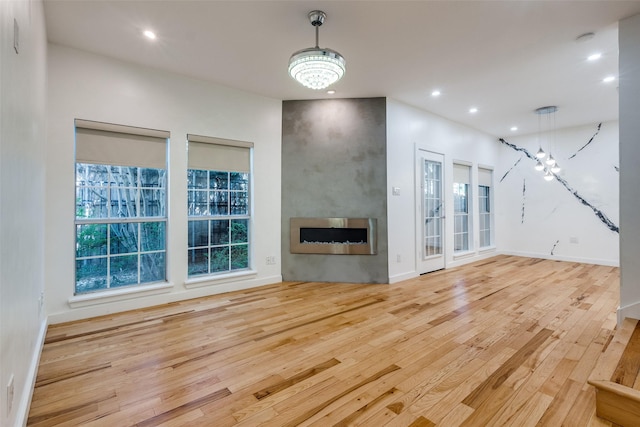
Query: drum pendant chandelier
x=315, y=67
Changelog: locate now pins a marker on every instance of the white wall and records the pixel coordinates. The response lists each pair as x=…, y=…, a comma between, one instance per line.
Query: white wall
x=629, y=34
x=87, y=86
x=22, y=170
x=554, y=218
x=407, y=127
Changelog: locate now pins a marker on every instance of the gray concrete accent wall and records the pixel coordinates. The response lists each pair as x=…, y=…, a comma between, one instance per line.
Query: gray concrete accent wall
x=334, y=165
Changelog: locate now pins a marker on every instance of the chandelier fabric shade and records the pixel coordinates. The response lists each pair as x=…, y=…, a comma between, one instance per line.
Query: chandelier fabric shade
x=317, y=68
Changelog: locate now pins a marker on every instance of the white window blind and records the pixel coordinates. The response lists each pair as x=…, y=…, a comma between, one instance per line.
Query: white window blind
x=484, y=177
x=110, y=144
x=461, y=173
x=219, y=154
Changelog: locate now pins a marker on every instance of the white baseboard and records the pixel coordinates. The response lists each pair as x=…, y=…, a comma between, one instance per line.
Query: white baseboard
x=110, y=307
x=24, y=404
x=608, y=262
x=403, y=276
x=471, y=257
x=457, y=262
x=631, y=311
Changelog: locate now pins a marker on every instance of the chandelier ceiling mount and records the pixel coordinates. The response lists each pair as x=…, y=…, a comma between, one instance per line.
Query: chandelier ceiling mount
x=316, y=67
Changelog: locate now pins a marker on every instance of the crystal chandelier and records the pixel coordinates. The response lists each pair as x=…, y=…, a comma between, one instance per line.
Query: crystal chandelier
x=315, y=67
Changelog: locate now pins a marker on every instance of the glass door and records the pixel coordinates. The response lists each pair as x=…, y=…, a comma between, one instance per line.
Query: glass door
x=431, y=211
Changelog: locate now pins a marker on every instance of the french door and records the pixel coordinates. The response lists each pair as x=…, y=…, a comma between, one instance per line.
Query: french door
x=430, y=226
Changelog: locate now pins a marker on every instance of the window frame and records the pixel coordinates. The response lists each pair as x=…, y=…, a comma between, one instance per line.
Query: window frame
x=114, y=186
x=229, y=147
x=230, y=218
x=485, y=218
x=462, y=217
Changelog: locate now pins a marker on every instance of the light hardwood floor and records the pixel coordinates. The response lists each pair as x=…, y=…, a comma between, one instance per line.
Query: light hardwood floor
x=506, y=341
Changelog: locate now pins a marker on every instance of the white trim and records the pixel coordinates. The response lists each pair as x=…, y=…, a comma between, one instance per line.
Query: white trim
x=436, y=262
x=210, y=280
x=607, y=262
x=468, y=258
x=119, y=294
x=159, y=298
x=403, y=276
x=463, y=254
x=230, y=286
x=22, y=413
x=631, y=311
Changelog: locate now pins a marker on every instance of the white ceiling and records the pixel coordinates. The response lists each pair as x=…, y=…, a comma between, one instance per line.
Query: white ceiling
x=504, y=57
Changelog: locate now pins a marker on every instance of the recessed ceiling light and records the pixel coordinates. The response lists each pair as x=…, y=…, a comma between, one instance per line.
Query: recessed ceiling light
x=435, y=93
x=608, y=79
x=473, y=110
x=331, y=92
x=149, y=34
x=514, y=128
x=594, y=56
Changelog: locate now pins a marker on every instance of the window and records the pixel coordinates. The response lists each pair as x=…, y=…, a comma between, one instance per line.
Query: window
x=218, y=181
x=121, y=206
x=484, y=202
x=461, y=208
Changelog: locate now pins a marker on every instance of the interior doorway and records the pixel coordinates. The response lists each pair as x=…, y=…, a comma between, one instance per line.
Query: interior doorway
x=430, y=202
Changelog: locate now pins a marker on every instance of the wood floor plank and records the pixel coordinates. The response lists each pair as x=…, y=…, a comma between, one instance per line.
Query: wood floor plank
x=346, y=415
x=281, y=385
x=304, y=416
x=627, y=370
x=506, y=341
x=484, y=390
x=183, y=409
x=614, y=349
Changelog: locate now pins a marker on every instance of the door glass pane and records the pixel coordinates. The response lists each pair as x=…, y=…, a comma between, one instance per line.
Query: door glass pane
x=432, y=208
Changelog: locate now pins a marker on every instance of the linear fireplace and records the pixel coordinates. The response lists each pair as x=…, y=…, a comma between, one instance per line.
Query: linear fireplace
x=339, y=236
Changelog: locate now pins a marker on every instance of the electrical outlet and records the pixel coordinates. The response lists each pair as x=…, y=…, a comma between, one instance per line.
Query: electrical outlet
x=271, y=260
x=574, y=240
x=10, y=393
x=398, y=258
